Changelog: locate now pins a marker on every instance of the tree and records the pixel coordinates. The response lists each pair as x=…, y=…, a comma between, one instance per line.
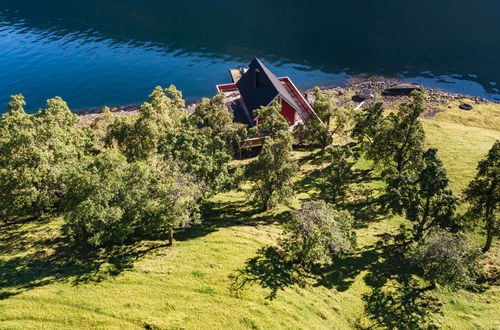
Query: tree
x=317, y=233
x=273, y=172
x=339, y=172
x=423, y=198
x=214, y=113
x=445, y=258
x=333, y=121
x=138, y=137
x=100, y=125
x=110, y=200
x=318, y=131
x=36, y=153
x=400, y=138
x=199, y=154
x=483, y=195
x=367, y=125
x=272, y=124
x=274, y=169
x=218, y=117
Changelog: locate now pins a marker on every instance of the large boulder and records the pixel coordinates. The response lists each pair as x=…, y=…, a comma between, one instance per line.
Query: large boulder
x=465, y=106
x=401, y=89
x=363, y=95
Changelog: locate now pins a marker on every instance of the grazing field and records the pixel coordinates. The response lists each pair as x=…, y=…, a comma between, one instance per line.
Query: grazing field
x=47, y=283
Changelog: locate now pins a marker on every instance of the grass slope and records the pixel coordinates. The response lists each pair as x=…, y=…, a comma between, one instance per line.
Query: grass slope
x=45, y=284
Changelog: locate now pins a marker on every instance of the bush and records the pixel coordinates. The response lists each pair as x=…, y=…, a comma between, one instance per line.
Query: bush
x=446, y=258
x=317, y=234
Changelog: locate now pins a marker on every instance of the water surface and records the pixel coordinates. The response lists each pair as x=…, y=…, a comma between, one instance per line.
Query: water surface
x=94, y=53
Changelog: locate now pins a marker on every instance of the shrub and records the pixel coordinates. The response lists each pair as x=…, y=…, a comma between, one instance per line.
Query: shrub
x=318, y=233
x=445, y=258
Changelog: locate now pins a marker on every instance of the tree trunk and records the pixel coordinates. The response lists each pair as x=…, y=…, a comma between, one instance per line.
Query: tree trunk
x=399, y=164
x=38, y=212
x=420, y=231
x=421, y=225
x=170, y=236
x=489, y=237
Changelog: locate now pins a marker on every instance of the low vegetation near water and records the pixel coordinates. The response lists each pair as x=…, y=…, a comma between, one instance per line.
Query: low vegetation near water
x=240, y=258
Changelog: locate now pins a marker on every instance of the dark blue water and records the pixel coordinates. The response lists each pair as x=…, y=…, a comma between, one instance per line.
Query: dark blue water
x=114, y=52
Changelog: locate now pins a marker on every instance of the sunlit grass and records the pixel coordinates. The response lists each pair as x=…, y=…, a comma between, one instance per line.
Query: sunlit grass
x=149, y=285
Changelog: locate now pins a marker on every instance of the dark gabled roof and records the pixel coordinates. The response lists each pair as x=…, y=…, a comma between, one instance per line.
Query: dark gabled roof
x=259, y=86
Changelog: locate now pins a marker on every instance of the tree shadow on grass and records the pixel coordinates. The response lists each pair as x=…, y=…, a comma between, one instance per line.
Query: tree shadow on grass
x=269, y=270
x=316, y=157
x=343, y=272
x=313, y=184
x=395, y=300
x=401, y=305
x=218, y=215
x=34, y=253
x=32, y=258
x=366, y=210
x=363, y=202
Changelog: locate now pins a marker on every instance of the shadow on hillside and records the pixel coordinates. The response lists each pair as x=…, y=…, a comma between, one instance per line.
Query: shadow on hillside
x=41, y=258
x=362, y=200
x=315, y=157
x=365, y=210
x=268, y=270
x=395, y=299
x=343, y=272
x=401, y=305
x=217, y=215
x=37, y=255
x=313, y=184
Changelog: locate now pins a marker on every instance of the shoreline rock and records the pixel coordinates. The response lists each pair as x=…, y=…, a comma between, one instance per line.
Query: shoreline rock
x=376, y=84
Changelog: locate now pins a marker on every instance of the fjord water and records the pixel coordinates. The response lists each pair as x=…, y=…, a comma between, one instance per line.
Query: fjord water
x=114, y=52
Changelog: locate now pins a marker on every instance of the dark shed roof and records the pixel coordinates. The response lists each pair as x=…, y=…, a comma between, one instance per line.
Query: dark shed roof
x=259, y=86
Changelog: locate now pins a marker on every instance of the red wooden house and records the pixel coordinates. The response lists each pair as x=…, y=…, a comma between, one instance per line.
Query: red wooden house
x=257, y=87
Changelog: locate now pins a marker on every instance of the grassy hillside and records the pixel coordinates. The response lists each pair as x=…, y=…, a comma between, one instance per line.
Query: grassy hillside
x=45, y=283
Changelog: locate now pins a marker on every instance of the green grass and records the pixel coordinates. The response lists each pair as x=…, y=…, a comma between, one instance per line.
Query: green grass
x=460, y=148
x=484, y=115
x=46, y=283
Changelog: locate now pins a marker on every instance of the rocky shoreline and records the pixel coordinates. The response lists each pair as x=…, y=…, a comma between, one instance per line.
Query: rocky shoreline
x=377, y=85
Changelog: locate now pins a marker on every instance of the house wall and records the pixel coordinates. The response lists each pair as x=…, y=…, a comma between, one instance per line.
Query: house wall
x=288, y=112
x=294, y=89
